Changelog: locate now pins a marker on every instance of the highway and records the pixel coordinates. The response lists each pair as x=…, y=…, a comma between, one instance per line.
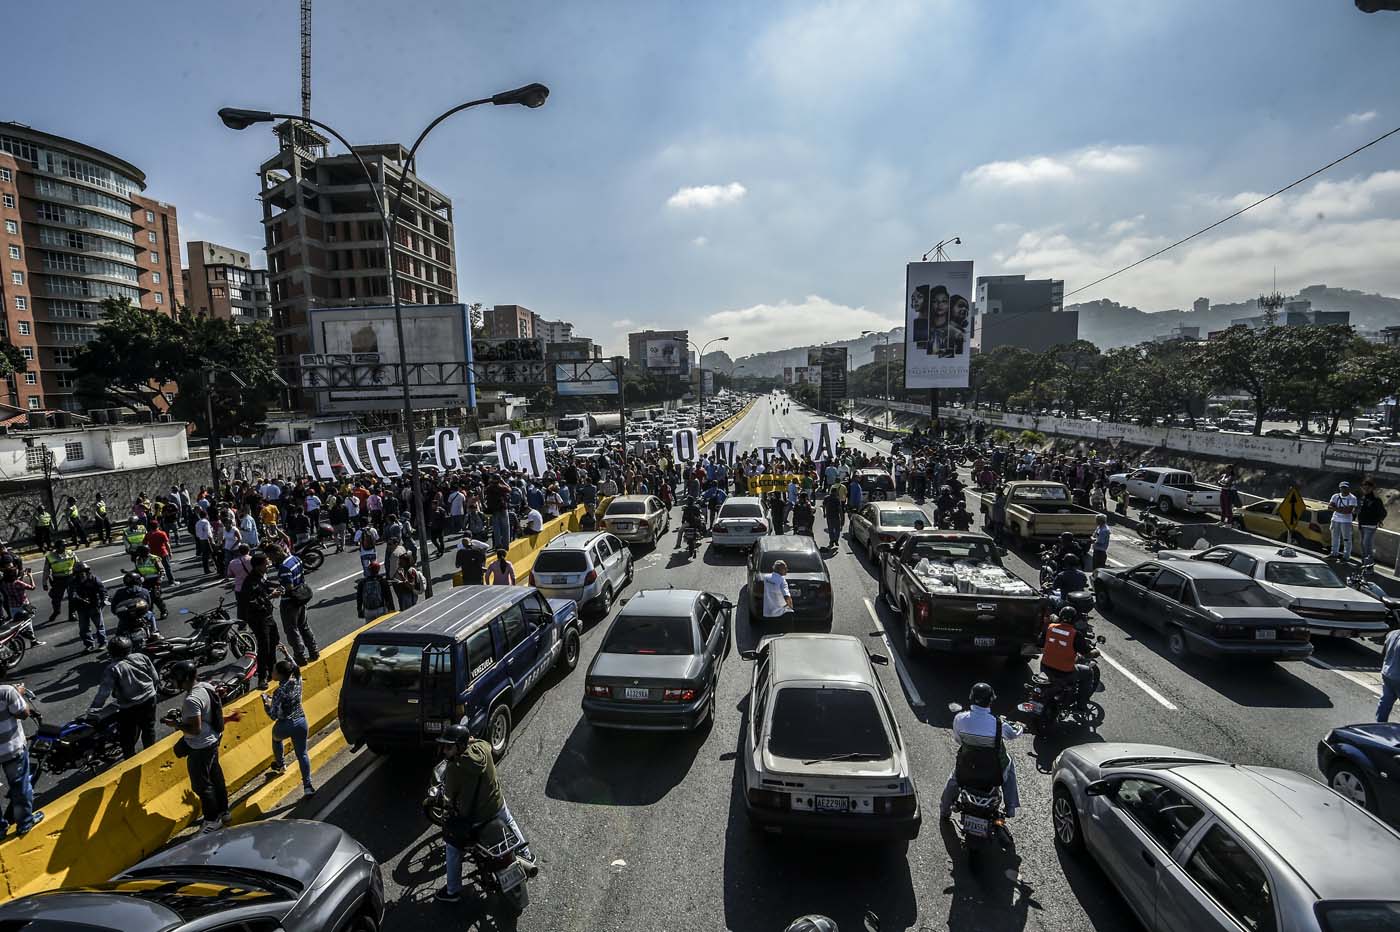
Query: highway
x=647, y=832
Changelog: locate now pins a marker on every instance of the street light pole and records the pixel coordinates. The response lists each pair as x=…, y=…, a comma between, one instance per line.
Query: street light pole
x=700, y=361
x=889, y=413
x=532, y=96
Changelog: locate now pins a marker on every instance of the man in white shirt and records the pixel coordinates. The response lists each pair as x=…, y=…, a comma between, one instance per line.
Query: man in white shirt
x=270, y=491
x=777, y=598
x=456, y=510
x=533, y=522
x=1343, y=505
x=976, y=729
x=203, y=530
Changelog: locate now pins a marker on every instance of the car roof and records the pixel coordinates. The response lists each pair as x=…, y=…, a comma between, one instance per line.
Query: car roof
x=1306, y=824
x=453, y=614
x=743, y=500
x=1198, y=569
x=1267, y=553
x=835, y=658
x=574, y=540
x=674, y=603
x=787, y=543
x=631, y=498
x=897, y=506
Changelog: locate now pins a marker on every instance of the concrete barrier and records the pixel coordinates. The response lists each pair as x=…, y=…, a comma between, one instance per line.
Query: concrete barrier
x=134, y=809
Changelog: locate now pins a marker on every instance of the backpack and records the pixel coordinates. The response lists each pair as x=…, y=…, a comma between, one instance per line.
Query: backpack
x=416, y=578
x=372, y=598
x=216, y=709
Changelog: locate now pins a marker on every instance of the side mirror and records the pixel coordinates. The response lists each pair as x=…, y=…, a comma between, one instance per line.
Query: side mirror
x=748, y=654
x=1101, y=788
x=881, y=659
x=1002, y=551
x=884, y=548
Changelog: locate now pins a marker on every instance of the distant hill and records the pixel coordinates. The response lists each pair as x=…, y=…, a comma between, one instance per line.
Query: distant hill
x=771, y=364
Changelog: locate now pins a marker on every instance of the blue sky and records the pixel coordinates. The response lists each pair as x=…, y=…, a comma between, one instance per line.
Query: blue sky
x=765, y=169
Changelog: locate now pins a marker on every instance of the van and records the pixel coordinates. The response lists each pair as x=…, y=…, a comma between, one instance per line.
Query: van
x=470, y=656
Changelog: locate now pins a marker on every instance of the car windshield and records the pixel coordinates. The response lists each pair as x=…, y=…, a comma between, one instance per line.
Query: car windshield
x=902, y=518
x=824, y=723
x=1233, y=593
x=1379, y=916
x=1316, y=575
x=561, y=561
x=800, y=561
x=626, y=508
x=570, y=423
x=741, y=510
x=393, y=667
x=643, y=634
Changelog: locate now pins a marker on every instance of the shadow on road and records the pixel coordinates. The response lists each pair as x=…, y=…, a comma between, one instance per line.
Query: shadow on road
x=986, y=889
x=600, y=766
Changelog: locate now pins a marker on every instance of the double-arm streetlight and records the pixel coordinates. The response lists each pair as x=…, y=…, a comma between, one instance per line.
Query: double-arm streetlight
x=532, y=96
x=937, y=250
x=700, y=361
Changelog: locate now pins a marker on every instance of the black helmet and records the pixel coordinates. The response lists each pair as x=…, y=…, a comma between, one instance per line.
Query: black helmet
x=1067, y=538
x=80, y=567
x=982, y=694
x=119, y=647
x=183, y=673
x=1069, y=615
x=455, y=734
x=1068, y=562
x=131, y=578
x=812, y=924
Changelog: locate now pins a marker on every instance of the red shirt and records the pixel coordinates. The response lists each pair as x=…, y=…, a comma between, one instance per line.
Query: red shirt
x=158, y=542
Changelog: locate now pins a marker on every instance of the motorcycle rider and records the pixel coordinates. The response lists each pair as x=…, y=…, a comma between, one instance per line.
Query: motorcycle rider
x=474, y=797
x=804, y=516
x=1064, y=641
x=131, y=590
x=1067, y=547
x=1069, y=579
x=148, y=567
x=131, y=679
x=980, y=733
x=714, y=497
x=692, y=517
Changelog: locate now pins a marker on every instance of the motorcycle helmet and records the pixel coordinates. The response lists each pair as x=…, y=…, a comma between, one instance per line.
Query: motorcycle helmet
x=812, y=924
x=982, y=694
x=131, y=578
x=80, y=568
x=1069, y=615
x=119, y=647
x=455, y=735
x=183, y=673
x=1069, y=562
x=1066, y=538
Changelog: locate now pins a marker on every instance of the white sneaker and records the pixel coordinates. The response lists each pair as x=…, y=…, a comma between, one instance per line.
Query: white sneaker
x=210, y=827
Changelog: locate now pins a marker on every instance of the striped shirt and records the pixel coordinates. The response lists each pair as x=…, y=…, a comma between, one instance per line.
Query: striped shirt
x=12, y=707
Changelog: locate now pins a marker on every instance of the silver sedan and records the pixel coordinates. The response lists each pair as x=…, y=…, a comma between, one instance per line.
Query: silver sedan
x=876, y=523
x=1196, y=844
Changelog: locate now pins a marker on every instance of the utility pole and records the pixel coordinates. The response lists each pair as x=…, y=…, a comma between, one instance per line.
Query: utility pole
x=621, y=407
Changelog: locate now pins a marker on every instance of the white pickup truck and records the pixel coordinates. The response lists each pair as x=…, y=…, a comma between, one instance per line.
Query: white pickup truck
x=1168, y=489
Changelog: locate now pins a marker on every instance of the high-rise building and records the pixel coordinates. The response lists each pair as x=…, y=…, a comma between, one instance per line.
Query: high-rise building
x=76, y=230
x=637, y=344
x=325, y=240
x=509, y=321
x=554, y=331
x=1015, y=311
x=1201, y=305
x=221, y=282
x=889, y=353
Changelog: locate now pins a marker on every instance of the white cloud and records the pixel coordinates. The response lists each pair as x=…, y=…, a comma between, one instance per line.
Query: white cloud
x=1126, y=225
x=708, y=195
x=814, y=319
x=1066, y=167
x=700, y=241
x=623, y=323
x=1359, y=119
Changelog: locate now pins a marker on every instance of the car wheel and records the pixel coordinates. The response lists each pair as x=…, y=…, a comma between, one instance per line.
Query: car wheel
x=1066, y=821
x=631, y=572
x=1177, y=645
x=364, y=923
x=1102, y=601
x=498, y=731
x=571, y=650
x=1164, y=505
x=1350, y=782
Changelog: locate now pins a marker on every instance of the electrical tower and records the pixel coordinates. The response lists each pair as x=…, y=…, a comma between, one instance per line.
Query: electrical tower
x=306, y=59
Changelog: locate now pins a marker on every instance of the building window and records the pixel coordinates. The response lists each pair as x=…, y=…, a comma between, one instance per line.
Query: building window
x=17, y=278
x=21, y=303
x=63, y=355
x=150, y=217
x=159, y=299
x=151, y=235
x=73, y=451
x=31, y=378
x=24, y=328
x=14, y=252
x=12, y=228
x=9, y=201
x=136, y=446
x=35, y=402
x=27, y=352
x=155, y=278
x=34, y=456
x=4, y=174
x=155, y=258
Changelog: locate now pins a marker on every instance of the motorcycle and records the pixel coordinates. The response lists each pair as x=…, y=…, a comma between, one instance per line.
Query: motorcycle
x=981, y=811
x=311, y=553
x=215, y=635
x=1361, y=581
x=493, y=865
x=691, y=535
x=1158, y=533
x=89, y=743
x=868, y=436
x=231, y=686
x=134, y=619
x=1051, y=702
x=15, y=638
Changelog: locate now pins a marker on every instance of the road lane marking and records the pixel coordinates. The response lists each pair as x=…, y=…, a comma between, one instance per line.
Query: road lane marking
x=336, y=582
x=1137, y=681
x=915, y=699
x=349, y=788
x=1356, y=678
x=1116, y=563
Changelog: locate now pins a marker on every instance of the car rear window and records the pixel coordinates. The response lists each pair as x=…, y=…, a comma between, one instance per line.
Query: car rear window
x=561, y=561
x=393, y=667
x=824, y=723
x=642, y=634
x=1359, y=917
x=1318, y=575
x=1041, y=493
x=1232, y=593
x=626, y=508
x=902, y=518
x=802, y=561
x=741, y=510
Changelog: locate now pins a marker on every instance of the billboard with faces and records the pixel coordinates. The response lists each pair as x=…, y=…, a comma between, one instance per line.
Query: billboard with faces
x=938, y=325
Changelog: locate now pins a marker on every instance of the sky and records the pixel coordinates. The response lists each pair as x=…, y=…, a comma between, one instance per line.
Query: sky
x=763, y=170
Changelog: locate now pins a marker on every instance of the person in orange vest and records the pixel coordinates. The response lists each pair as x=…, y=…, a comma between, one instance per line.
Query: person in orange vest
x=1065, y=639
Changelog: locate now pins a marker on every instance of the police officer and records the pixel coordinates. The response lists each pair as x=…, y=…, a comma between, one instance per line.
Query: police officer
x=58, y=572
x=101, y=522
x=75, y=523
x=43, y=529
x=148, y=567
x=135, y=535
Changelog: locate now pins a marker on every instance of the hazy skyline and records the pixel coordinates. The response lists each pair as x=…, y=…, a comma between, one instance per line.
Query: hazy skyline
x=766, y=169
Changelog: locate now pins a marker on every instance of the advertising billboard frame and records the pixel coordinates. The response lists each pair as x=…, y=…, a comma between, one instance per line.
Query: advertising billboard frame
x=939, y=324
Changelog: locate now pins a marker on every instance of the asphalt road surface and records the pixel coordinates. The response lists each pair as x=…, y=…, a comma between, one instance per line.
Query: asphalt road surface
x=647, y=832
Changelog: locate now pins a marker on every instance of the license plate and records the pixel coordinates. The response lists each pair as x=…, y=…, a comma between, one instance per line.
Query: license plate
x=432, y=726
x=973, y=825
x=636, y=692
x=1341, y=633
x=1265, y=634
x=623, y=525
x=984, y=642
x=559, y=580
x=511, y=877
x=833, y=804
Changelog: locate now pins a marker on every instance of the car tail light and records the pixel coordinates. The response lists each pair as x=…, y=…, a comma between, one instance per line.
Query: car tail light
x=644, y=523
x=678, y=695
x=719, y=529
x=895, y=805
x=592, y=577
x=761, y=527
x=1295, y=633
x=769, y=799
x=598, y=692
x=921, y=610
x=1229, y=631
x=886, y=538
x=824, y=590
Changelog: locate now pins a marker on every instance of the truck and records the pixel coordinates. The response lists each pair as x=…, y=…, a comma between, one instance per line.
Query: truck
x=954, y=595
x=575, y=426
x=1167, y=489
x=1040, y=511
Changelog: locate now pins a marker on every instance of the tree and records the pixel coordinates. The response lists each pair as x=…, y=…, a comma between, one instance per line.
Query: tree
x=11, y=359
x=1073, y=370
x=1003, y=372
x=1247, y=360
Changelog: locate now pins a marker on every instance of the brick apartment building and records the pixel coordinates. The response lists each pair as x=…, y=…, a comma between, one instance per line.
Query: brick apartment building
x=74, y=229
x=221, y=281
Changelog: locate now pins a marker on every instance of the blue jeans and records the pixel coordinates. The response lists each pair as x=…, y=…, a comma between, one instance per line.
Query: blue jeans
x=20, y=810
x=1390, y=689
x=1010, y=794
x=294, y=728
x=90, y=620
x=454, y=854
x=500, y=529
x=1341, y=539
x=1368, y=537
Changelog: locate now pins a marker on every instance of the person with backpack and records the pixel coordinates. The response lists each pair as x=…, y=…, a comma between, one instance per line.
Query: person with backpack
x=373, y=594
x=408, y=582
x=202, y=724
x=367, y=539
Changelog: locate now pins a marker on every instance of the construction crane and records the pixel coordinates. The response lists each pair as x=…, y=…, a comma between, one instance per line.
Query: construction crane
x=305, y=59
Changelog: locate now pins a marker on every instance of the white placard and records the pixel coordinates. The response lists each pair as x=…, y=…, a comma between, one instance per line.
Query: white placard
x=316, y=456
x=824, y=439
x=685, y=442
x=447, y=447
x=383, y=461
x=507, y=449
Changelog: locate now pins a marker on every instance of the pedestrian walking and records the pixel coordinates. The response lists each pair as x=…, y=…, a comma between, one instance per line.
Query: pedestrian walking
x=14, y=760
x=500, y=572
x=1227, y=494
x=1100, y=545
x=258, y=595
x=43, y=529
x=102, y=524
x=373, y=594
x=88, y=596
x=283, y=706
x=157, y=542
x=202, y=721
x=203, y=546
x=367, y=539
x=408, y=582
x=131, y=680
x=1390, y=675
x=1343, y=505
x=471, y=560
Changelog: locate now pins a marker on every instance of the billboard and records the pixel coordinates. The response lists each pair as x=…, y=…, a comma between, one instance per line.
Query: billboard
x=667, y=355
x=938, y=324
x=585, y=378
x=353, y=363
x=511, y=363
x=787, y=375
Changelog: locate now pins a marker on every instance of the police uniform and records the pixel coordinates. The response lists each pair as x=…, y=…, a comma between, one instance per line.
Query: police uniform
x=149, y=569
x=75, y=525
x=104, y=526
x=60, y=574
x=135, y=537
x=43, y=530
